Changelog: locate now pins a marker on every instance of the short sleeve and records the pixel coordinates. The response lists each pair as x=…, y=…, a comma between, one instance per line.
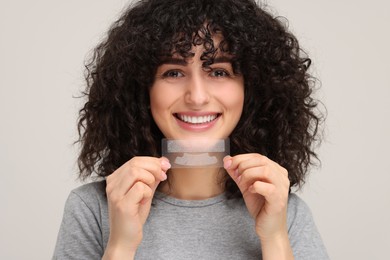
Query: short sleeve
x=305, y=239
x=80, y=235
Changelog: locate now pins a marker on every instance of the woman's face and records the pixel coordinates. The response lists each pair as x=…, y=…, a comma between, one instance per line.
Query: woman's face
x=188, y=101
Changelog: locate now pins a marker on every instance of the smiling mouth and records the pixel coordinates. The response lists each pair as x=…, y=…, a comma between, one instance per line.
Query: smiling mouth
x=197, y=119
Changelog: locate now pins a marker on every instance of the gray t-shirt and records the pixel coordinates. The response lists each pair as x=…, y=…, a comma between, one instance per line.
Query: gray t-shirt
x=215, y=228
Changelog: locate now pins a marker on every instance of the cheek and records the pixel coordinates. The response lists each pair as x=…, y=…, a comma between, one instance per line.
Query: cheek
x=156, y=103
x=233, y=98
x=161, y=99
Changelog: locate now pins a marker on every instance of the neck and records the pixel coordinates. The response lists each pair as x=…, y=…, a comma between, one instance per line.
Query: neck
x=193, y=183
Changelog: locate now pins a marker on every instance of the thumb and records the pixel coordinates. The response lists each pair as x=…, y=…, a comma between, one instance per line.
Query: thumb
x=232, y=171
x=227, y=163
x=165, y=166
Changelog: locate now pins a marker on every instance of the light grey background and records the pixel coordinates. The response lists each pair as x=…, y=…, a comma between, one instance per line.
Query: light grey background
x=43, y=44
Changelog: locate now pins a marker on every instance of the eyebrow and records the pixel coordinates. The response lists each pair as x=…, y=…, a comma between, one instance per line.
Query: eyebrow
x=183, y=62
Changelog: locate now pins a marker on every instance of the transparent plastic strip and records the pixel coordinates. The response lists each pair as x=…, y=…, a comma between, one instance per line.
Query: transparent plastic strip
x=195, y=153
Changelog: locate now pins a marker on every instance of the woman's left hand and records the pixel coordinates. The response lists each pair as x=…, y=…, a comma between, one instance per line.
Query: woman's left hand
x=264, y=185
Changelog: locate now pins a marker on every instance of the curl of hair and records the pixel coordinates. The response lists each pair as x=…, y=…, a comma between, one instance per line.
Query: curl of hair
x=280, y=117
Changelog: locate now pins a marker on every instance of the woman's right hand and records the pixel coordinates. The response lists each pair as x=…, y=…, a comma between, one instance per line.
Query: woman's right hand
x=130, y=190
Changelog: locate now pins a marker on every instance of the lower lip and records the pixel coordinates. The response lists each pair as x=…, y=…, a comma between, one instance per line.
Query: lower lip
x=196, y=127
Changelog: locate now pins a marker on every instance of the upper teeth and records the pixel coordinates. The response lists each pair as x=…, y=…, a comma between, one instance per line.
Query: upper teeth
x=197, y=119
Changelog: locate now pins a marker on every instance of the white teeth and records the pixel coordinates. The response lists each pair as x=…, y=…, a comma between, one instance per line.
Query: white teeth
x=197, y=119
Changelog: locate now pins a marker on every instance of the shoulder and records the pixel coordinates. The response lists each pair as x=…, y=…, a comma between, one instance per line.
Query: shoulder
x=305, y=238
x=92, y=195
x=84, y=227
x=299, y=215
x=92, y=189
x=298, y=212
x=296, y=206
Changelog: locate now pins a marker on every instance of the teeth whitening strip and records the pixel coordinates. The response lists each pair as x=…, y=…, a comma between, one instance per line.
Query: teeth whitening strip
x=195, y=153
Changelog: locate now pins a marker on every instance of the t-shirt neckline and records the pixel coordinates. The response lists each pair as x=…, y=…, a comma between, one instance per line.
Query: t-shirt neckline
x=189, y=203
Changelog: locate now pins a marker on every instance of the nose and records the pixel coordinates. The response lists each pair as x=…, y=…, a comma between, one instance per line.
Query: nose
x=197, y=93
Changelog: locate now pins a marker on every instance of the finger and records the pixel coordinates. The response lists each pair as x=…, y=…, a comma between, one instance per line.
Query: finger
x=239, y=163
x=249, y=176
x=146, y=169
x=263, y=188
x=126, y=180
x=233, y=172
x=227, y=164
x=251, y=159
x=138, y=194
x=267, y=174
x=157, y=166
x=243, y=162
x=276, y=200
x=153, y=165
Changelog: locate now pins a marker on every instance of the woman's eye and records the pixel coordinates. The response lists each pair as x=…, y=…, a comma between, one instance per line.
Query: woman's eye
x=173, y=74
x=219, y=73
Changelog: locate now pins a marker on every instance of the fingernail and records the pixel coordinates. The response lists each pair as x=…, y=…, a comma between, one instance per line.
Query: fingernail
x=165, y=165
x=239, y=179
x=163, y=176
x=227, y=164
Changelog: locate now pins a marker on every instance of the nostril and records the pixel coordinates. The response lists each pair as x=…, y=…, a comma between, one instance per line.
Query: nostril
x=197, y=98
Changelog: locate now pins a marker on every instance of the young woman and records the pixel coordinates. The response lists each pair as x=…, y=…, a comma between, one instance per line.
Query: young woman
x=183, y=70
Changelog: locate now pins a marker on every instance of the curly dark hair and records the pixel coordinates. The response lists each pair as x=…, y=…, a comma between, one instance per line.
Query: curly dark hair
x=280, y=117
